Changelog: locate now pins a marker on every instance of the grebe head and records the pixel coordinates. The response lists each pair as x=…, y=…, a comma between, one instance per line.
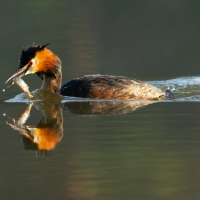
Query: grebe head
x=37, y=59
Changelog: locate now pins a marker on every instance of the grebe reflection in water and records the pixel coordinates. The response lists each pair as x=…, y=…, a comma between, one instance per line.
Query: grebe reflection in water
x=47, y=133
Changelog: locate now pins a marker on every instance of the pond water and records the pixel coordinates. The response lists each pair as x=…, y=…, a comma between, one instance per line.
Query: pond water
x=98, y=149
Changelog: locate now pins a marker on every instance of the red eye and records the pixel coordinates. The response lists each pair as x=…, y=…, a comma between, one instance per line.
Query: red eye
x=30, y=63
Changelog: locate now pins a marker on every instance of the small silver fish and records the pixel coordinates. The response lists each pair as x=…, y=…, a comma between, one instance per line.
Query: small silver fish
x=22, y=85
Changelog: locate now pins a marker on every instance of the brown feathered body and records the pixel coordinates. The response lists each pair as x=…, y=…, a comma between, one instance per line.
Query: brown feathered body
x=111, y=87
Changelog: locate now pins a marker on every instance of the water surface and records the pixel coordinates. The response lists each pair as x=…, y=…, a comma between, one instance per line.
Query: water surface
x=103, y=149
x=145, y=149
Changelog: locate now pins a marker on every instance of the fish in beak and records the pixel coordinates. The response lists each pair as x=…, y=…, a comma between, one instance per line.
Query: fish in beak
x=16, y=78
x=19, y=73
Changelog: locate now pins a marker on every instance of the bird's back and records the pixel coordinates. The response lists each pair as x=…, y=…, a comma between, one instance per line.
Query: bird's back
x=110, y=87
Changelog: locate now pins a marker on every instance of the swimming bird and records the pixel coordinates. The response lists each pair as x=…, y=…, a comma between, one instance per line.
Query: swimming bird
x=40, y=60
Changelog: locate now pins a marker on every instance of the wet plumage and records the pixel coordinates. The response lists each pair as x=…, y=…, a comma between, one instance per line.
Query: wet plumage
x=110, y=87
x=40, y=60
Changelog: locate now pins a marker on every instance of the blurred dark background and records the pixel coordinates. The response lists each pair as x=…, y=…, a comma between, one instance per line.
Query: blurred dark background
x=152, y=153
x=148, y=40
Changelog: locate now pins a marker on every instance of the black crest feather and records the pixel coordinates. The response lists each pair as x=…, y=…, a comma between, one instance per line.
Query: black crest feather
x=29, y=53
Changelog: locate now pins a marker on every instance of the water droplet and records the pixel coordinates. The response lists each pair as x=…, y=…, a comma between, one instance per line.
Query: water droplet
x=4, y=114
x=3, y=90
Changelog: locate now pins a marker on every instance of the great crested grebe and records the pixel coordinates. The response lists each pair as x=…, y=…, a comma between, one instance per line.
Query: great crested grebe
x=40, y=60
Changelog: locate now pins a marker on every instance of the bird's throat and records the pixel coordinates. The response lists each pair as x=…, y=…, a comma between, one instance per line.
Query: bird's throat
x=52, y=84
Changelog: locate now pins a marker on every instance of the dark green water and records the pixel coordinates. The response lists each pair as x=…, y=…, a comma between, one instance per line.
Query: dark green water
x=151, y=153
x=105, y=150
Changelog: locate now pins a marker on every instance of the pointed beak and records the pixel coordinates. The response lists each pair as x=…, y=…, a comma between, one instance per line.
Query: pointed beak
x=19, y=73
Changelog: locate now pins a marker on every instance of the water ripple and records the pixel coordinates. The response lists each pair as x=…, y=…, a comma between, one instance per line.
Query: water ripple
x=187, y=89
